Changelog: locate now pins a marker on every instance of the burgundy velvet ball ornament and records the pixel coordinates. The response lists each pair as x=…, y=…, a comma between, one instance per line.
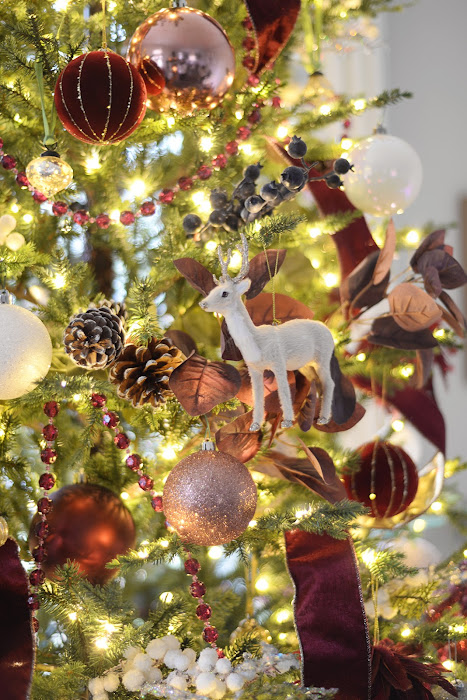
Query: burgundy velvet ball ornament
x=100, y=98
x=88, y=524
x=387, y=480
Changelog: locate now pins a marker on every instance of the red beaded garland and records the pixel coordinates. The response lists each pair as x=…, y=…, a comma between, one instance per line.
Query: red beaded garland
x=50, y=432
x=48, y=456
x=36, y=577
x=80, y=217
x=98, y=400
x=197, y=589
x=8, y=162
x=157, y=504
x=145, y=482
x=204, y=172
x=127, y=218
x=133, y=462
x=39, y=197
x=59, y=208
x=232, y=148
x=35, y=624
x=185, y=183
x=51, y=409
x=203, y=611
x=39, y=553
x=33, y=602
x=44, y=505
x=103, y=221
x=243, y=133
x=147, y=208
x=192, y=566
x=220, y=161
x=42, y=529
x=46, y=481
x=166, y=196
x=22, y=180
x=110, y=419
x=210, y=634
x=122, y=441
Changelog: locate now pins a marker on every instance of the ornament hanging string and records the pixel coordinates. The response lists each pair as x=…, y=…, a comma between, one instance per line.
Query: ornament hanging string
x=313, y=26
x=104, y=25
x=49, y=139
x=275, y=321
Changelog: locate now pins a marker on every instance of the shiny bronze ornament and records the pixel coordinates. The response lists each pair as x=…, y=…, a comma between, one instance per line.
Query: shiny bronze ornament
x=209, y=497
x=187, y=52
x=88, y=525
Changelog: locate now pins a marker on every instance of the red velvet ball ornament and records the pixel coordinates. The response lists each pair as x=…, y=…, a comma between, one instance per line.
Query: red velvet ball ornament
x=387, y=480
x=88, y=524
x=100, y=97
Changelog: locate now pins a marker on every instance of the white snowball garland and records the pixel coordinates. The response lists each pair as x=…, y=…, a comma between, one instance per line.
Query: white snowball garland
x=189, y=677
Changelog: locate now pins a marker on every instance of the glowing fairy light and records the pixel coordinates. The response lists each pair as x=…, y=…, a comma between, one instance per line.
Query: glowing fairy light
x=359, y=105
x=27, y=218
x=201, y=201
x=262, y=584
x=59, y=281
x=211, y=246
x=368, y=557
x=314, y=232
x=101, y=642
x=437, y=507
x=138, y=188
x=124, y=496
x=406, y=632
x=215, y=552
x=206, y=143
x=168, y=452
x=397, y=425
x=282, y=131
x=361, y=357
x=283, y=616
x=73, y=616
x=246, y=148
x=413, y=237
x=92, y=163
x=166, y=597
x=419, y=525
x=14, y=208
x=330, y=279
x=325, y=110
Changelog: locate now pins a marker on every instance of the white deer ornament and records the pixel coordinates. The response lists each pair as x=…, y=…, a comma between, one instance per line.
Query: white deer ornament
x=288, y=346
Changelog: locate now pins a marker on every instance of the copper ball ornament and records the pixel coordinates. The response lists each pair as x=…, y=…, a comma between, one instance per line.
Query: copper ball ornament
x=187, y=53
x=100, y=98
x=386, y=481
x=209, y=498
x=88, y=524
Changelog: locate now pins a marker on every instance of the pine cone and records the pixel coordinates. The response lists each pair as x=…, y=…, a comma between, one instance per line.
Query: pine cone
x=95, y=338
x=142, y=374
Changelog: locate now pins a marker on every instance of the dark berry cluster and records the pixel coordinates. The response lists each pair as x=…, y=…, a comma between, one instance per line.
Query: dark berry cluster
x=245, y=205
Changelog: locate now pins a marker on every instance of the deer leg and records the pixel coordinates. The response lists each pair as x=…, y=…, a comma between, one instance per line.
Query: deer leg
x=327, y=386
x=257, y=383
x=280, y=372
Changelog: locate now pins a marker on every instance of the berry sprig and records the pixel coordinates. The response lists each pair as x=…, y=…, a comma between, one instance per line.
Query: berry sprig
x=246, y=205
x=44, y=506
x=203, y=610
x=133, y=461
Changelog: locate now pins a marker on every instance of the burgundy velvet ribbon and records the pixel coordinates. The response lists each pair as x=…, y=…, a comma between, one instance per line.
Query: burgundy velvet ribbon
x=273, y=22
x=329, y=614
x=16, y=638
x=417, y=405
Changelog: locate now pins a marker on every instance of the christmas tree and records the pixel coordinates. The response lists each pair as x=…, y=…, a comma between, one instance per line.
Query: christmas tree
x=218, y=430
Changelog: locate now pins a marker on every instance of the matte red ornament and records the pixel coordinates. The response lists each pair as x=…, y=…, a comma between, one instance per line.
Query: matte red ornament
x=16, y=640
x=387, y=480
x=100, y=98
x=89, y=525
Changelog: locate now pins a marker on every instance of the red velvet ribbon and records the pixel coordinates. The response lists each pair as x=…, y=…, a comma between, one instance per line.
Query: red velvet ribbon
x=273, y=22
x=329, y=614
x=417, y=405
x=16, y=638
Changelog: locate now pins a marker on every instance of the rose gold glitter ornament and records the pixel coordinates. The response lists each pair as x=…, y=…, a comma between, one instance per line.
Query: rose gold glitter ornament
x=188, y=51
x=209, y=497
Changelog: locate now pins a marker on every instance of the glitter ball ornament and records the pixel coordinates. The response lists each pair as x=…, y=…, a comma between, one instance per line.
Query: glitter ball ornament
x=386, y=176
x=209, y=497
x=100, y=97
x=49, y=173
x=89, y=525
x=192, y=54
x=386, y=481
x=3, y=531
x=25, y=350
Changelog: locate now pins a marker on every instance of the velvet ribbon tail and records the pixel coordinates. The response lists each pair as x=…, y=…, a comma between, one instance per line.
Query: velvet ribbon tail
x=16, y=640
x=329, y=614
x=273, y=22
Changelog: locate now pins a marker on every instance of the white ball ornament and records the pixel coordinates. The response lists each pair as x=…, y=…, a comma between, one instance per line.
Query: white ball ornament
x=154, y=675
x=142, y=662
x=157, y=649
x=207, y=659
x=386, y=176
x=205, y=683
x=25, y=350
x=133, y=680
x=111, y=682
x=235, y=682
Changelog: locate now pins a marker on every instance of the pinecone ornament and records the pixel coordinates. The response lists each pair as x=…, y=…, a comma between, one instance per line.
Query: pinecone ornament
x=95, y=338
x=142, y=373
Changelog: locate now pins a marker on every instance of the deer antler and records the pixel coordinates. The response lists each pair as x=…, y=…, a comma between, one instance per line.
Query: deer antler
x=224, y=265
x=245, y=263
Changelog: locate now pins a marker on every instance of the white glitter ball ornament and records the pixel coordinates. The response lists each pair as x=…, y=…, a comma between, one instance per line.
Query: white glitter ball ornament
x=386, y=176
x=25, y=350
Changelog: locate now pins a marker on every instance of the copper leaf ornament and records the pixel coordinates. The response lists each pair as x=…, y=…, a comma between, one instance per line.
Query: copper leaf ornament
x=236, y=439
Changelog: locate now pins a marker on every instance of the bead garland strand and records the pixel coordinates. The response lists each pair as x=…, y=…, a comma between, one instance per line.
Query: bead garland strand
x=82, y=217
x=44, y=506
x=134, y=462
